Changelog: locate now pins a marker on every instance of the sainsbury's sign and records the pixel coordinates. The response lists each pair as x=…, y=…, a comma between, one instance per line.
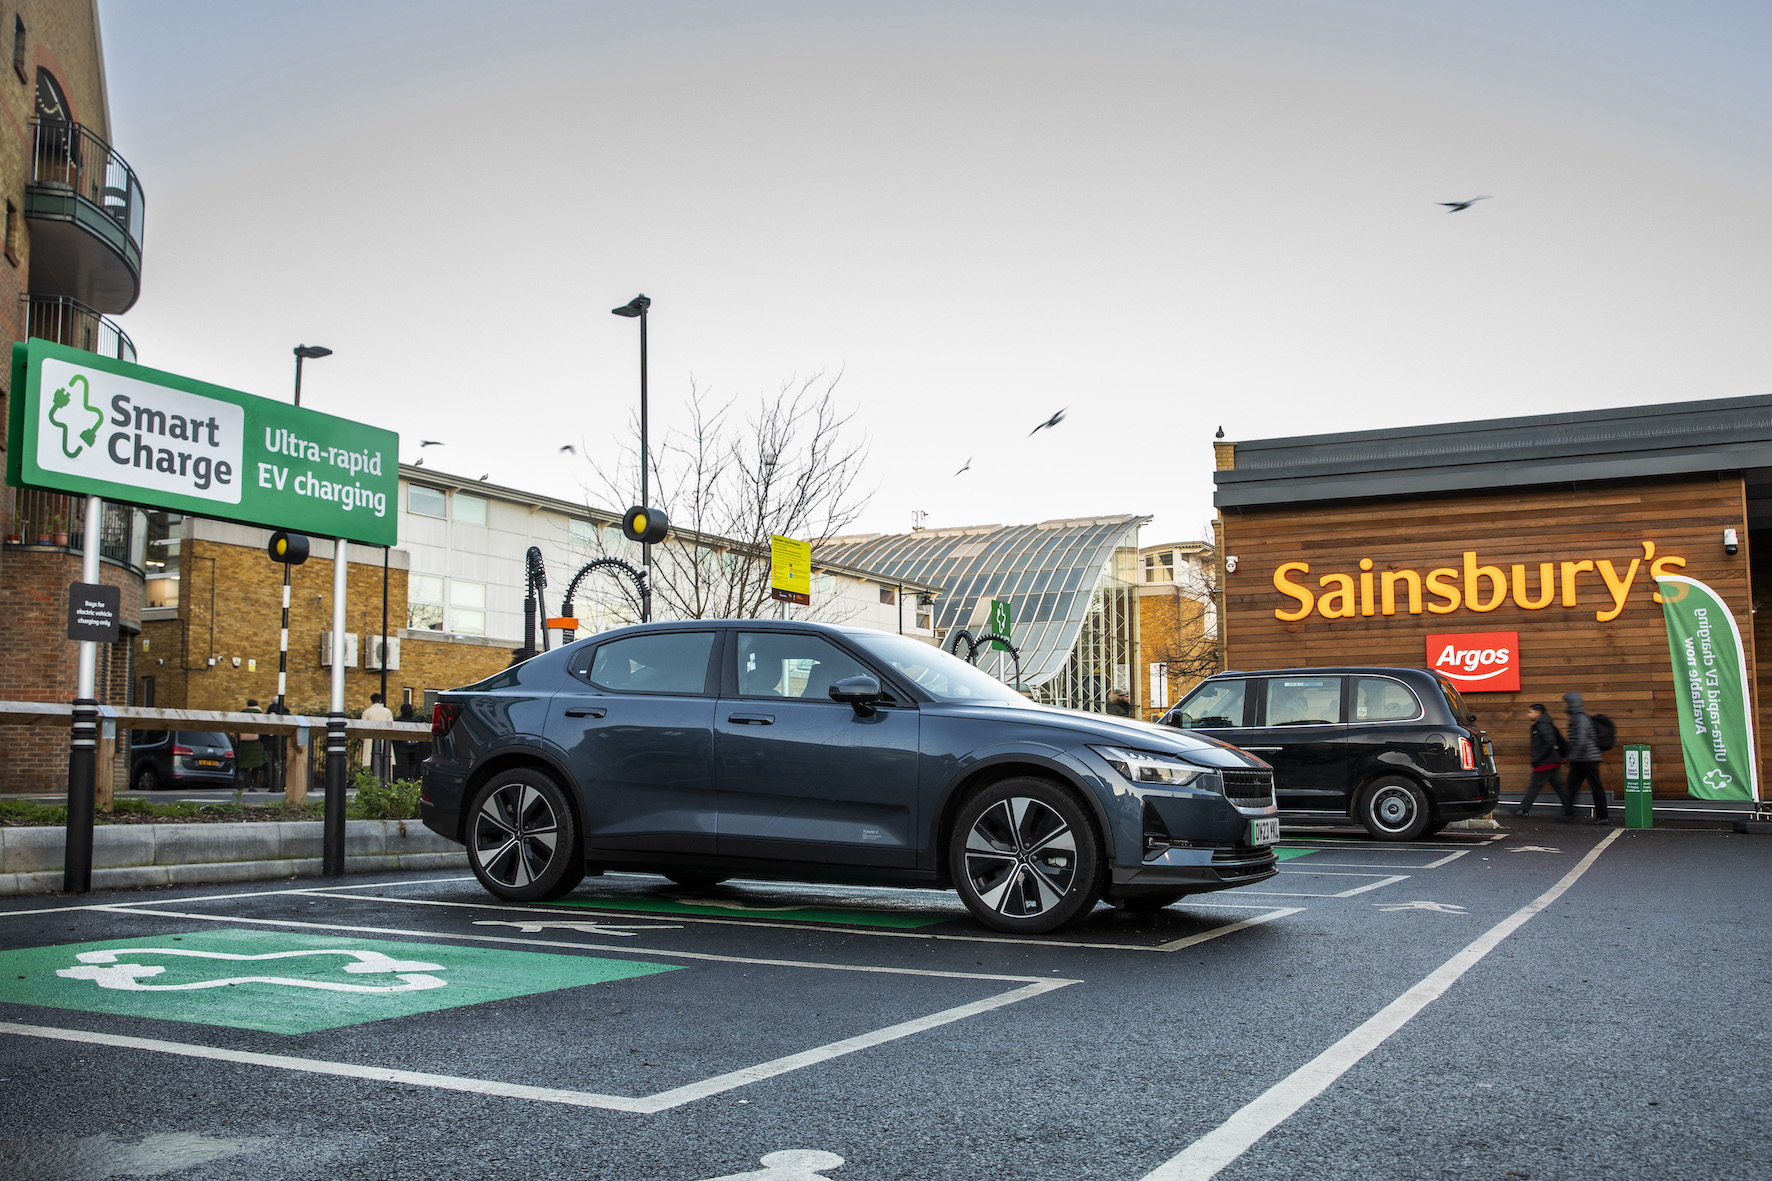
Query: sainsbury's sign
x=1477, y=662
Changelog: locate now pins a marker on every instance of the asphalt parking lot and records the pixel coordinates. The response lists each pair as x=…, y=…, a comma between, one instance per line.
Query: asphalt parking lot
x=1550, y=1001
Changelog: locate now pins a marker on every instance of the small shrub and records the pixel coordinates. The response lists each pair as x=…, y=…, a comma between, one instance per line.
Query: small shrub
x=384, y=801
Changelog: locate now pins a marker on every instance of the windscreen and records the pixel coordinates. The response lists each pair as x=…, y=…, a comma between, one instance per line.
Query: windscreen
x=943, y=677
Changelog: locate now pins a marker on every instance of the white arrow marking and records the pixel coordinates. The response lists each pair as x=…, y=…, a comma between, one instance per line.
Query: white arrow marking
x=1437, y=907
x=1533, y=849
x=624, y=930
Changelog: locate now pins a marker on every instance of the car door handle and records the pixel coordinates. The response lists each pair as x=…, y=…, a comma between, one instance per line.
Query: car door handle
x=752, y=719
x=587, y=712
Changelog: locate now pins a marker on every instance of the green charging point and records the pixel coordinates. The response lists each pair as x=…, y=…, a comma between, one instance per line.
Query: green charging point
x=1639, y=790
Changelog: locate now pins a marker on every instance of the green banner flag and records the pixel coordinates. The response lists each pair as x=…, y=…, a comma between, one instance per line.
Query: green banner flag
x=1710, y=680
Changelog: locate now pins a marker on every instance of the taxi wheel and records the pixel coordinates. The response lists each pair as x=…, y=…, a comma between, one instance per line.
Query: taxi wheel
x=1024, y=857
x=523, y=838
x=1395, y=809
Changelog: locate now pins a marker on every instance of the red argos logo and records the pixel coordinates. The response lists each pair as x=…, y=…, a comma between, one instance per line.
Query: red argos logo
x=1477, y=662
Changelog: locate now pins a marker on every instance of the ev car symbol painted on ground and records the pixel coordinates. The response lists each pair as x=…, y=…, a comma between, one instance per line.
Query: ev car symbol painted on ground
x=793, y=1164
x=104, y=970
x=281, y=982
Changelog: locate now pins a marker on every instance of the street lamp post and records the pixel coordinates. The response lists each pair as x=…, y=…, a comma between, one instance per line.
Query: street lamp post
x=306, y=352
x=637, y=307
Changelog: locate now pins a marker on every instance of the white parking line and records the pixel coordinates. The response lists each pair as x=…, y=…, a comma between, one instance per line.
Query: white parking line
x=1379, y=885
x=643, y=1105
x=1204, y=1158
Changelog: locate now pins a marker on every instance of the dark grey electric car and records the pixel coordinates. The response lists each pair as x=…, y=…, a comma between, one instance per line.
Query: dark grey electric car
x=708, y=749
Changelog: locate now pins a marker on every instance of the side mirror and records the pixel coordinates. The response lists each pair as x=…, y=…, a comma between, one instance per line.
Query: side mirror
x=1470, y=719
x=858, y=692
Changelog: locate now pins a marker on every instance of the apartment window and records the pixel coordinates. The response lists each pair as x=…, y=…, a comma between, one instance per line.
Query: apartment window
x=18, y=48
x=147, y=695
x=888, y=596
x=467, y=607
x=424, y=603
x=426, y=502
x=1160, y=567
x=824, y=584
x=10, y=245
x=584, y=533
x=470, y=510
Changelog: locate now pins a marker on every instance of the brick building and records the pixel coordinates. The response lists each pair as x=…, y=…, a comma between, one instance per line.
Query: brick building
x=71, y=254
x=1177, y=620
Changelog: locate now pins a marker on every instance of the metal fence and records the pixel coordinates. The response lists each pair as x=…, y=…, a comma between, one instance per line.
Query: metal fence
x=67, y=155
x=70, y=322
x=58, y=521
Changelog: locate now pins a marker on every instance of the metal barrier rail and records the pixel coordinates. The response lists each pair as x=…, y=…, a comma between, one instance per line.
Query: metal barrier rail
x=127, y=717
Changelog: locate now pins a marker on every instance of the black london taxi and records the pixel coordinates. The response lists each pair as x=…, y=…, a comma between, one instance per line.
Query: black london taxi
x=1394, y=749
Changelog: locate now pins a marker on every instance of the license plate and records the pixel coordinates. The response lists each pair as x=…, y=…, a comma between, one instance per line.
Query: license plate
x=209, y=762
x=1264, y=832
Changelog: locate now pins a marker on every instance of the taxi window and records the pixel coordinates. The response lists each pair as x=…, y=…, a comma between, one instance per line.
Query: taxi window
x=1380, y=699
x=1303, y=701
x=1214, y=705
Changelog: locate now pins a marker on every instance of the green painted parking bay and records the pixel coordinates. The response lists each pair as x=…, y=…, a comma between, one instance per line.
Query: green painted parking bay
x=287, y=983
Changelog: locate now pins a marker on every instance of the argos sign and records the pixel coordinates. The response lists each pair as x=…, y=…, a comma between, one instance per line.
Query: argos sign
x=1477, y=662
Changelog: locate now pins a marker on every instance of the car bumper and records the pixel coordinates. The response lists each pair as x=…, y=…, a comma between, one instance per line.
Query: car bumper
x=439, y=803
x=1195, y=870
x=1459, y=797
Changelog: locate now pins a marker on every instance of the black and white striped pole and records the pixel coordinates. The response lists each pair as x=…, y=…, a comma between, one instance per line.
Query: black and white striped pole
x=289, y=549
x=88, y=603
x=332, y=849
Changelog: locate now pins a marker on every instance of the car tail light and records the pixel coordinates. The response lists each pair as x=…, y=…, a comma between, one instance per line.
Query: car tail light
x=227, y=754
x=1467, y=756
x=443, y=717
x=183, y=750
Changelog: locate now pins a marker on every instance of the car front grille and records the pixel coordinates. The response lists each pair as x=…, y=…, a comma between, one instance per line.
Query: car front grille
x=1249, y=786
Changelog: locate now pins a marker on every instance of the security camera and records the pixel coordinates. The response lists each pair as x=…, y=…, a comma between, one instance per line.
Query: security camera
x=1230, y=564
x=1730, y=545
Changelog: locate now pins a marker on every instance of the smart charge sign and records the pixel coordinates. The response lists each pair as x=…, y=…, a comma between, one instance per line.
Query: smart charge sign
x=91, y=425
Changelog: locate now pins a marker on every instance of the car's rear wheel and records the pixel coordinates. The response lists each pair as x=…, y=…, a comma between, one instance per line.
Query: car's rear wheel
x=523, y=838
x=692, y=881
x=1024, y=857
x=1394, y=809
x=1146, y=903
x=147, y=779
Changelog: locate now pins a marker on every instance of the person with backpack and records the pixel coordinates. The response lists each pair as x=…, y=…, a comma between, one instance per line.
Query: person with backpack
x=1549, y=751
x=1588, y=741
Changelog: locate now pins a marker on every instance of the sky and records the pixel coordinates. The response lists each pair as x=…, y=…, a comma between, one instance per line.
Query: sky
x=1162, y=217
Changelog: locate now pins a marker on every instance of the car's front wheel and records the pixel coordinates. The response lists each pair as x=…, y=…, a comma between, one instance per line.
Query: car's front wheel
x=1394, y=809
x=523, y=838
x=1024, y=857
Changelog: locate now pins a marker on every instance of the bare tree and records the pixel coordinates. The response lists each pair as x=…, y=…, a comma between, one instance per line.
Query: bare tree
x=1189, y=652
x=727, y=482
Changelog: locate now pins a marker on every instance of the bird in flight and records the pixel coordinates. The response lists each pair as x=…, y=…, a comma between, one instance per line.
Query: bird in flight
x=570, y=448
x=1050, y=422
x=430, y=442
x=1461, y=206
x=965, y=469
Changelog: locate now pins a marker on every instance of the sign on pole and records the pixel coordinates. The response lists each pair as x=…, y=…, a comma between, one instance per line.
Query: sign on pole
x=1002, y=623
x=94, y=426
x=1710, y=685
x=790, y=570
x=95, y=612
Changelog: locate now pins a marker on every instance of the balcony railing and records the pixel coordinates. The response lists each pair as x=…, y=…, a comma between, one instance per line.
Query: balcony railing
x=57, y=521
x=68, y=156
x=68, y=321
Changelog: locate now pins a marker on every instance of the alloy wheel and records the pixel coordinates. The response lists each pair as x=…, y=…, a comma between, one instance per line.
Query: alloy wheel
x=515, y=835
x=1021, y=857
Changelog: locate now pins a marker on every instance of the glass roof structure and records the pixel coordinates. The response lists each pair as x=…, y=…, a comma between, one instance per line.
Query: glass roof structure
x=1052, y=574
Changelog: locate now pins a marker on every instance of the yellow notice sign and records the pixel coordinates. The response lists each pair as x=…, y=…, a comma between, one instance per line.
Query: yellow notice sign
x=790, y=570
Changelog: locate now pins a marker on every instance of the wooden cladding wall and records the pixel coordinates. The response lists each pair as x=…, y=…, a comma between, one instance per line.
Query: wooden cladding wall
x=1621, y=666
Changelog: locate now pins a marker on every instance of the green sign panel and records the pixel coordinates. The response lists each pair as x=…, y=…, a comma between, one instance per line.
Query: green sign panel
x=90, y=425
x=1639, y=788
x=1002, y=623
x=1710, y=686
x=285, y=983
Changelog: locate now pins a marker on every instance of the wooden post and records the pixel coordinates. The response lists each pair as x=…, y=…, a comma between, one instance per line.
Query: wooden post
x=105, y=786
x=295, y=770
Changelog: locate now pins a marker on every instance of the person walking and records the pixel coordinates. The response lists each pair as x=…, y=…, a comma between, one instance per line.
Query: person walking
x=376, y=753
x=409, y=756
x=1584, y=760
x=1548, y=753
x=1119, y=703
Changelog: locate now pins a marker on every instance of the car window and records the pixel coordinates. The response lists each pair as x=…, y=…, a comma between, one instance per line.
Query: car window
x=150, y=737
x=943, y=676
x=1303, y=701
x=1380, y=699
x=790, y=664
x=661, y=662
x=203, y=738
x=1214, y=705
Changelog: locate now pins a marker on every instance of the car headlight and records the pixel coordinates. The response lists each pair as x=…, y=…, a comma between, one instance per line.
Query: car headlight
x=1144, y=766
